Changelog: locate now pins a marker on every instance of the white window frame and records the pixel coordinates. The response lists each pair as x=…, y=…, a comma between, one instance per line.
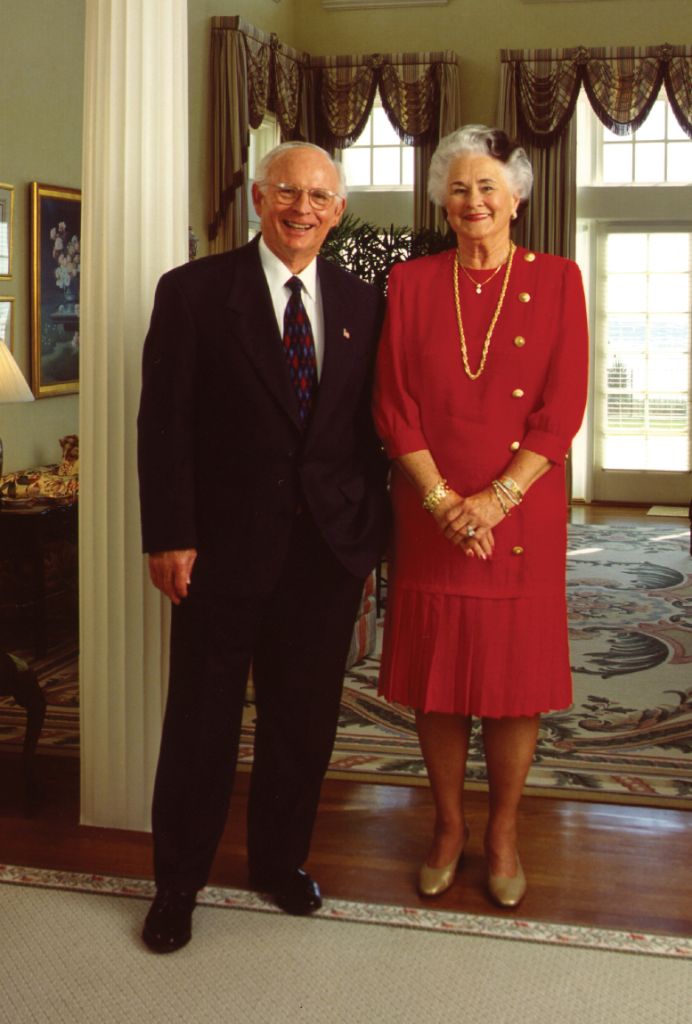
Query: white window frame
x=654, y=207
x=372, y=147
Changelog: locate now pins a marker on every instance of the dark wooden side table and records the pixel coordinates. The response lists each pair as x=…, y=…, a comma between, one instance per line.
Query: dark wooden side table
x=29, y=538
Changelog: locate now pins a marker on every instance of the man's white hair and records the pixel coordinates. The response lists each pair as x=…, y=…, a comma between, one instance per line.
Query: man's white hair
x=263, y=167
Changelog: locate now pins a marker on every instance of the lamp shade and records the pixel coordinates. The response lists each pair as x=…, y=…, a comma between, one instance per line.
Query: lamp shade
x=13, y=387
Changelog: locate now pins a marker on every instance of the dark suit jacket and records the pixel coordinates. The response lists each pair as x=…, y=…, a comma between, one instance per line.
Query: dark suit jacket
x=223, y=462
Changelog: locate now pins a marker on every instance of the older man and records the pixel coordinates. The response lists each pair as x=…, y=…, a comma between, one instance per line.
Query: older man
x=263, y=510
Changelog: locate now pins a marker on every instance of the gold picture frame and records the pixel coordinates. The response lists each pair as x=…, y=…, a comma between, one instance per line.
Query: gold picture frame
x=55, y=281
x=6, y=230
x=7, y=320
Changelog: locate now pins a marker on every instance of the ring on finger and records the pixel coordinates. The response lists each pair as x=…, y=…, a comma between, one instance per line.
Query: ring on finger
x=470, y=532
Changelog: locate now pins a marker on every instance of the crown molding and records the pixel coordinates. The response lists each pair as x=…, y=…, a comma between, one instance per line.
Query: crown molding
x=350, y=5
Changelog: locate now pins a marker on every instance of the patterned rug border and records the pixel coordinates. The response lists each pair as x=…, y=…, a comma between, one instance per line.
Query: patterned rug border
x=449, y=922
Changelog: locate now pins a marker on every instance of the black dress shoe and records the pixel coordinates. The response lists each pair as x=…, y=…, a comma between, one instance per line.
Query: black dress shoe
x=169, y=922
x=293, y=891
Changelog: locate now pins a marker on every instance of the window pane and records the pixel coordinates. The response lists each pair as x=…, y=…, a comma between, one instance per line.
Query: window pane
x=623, y=452
x=666, y=453
x=675, y=130
x=680, y=161
x=625, y=333
x=669, y=334
x=655, y=125
x=669, y=293
x=628, y=252
x=385, y=166
x=617, y=163
x=383, y=133
x=668, y=250
x=649, y=162
x=356, y=166
x=407, y=165
x=667, y=374
x=626, y=292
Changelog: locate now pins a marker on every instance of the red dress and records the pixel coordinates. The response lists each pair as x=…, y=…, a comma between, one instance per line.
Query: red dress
x=462, y=635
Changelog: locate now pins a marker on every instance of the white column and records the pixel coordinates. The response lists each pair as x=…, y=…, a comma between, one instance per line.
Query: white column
x=134, y=227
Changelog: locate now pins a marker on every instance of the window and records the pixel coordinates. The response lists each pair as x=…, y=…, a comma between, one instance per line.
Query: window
x=657, y=152
x=643, y=325
x=634, y=208
x=378, y=158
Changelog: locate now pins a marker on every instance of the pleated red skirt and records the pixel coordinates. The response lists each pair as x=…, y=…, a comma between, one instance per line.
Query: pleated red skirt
x=494, y=658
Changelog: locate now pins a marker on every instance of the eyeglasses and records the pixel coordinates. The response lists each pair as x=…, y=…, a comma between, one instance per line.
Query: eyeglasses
x=287, y=195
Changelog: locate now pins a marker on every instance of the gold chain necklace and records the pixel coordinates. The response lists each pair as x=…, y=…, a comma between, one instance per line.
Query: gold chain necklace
x=479, y=284
x=498, y=309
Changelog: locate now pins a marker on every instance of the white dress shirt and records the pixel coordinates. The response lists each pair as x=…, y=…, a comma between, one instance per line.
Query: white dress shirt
x=277, y=274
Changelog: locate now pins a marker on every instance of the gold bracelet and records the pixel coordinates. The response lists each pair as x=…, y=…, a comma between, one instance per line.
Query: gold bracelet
x=501, y=497
x=511, y=498
x=512, y=487
x=433, y=498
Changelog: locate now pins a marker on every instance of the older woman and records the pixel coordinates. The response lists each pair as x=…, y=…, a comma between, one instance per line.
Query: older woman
x=481, y=386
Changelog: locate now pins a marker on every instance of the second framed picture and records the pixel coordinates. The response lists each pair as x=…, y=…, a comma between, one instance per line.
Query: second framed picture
x=7, y=320
x=55, y=281
x=6, y=218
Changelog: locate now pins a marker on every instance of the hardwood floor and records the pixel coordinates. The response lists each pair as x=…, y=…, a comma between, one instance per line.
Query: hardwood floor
x=596, y=864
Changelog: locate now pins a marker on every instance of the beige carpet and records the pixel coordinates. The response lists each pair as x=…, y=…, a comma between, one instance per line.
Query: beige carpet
x=71, y=957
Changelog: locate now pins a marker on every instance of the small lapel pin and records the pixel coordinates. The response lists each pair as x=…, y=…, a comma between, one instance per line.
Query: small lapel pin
x=346, y=333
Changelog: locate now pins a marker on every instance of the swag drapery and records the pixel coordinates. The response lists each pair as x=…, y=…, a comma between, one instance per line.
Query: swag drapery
x=538, y=95
x=326, y=100
x=251, y=72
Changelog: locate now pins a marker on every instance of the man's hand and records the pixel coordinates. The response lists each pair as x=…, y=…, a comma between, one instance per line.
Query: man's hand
x=171, y=572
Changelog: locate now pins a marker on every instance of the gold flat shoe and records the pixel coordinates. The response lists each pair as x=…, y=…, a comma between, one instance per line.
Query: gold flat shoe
x=506, y=891
x=435, y=881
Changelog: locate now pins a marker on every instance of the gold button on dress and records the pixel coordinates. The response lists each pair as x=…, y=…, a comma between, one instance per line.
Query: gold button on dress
x=518, y=393
x=519, y=341
x=517, y=550
x=515, y=446
x=524, y=297
x=529, y=257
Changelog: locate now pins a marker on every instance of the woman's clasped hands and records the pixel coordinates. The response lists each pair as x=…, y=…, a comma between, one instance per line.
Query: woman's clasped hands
x=468, y=522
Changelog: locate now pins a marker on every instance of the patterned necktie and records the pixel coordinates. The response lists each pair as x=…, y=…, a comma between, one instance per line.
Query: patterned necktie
x=299, y=348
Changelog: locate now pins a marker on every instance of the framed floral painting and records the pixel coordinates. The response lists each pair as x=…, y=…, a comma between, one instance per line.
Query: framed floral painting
x=55, y=281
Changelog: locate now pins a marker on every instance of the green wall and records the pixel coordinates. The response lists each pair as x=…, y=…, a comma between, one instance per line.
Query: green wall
x=41, y=75
x=478, y=29
x=41, y=85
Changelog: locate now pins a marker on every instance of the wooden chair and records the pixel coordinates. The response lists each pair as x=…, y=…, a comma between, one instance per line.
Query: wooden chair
x=19, y=681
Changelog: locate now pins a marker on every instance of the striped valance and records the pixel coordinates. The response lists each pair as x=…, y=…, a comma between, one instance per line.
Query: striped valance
x=622, y=85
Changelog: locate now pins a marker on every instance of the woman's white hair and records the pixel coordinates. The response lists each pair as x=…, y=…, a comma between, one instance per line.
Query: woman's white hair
x=268, y=159
x=477, y=138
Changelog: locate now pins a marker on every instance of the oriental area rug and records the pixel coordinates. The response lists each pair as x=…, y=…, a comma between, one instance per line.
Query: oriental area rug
x=627, y=737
